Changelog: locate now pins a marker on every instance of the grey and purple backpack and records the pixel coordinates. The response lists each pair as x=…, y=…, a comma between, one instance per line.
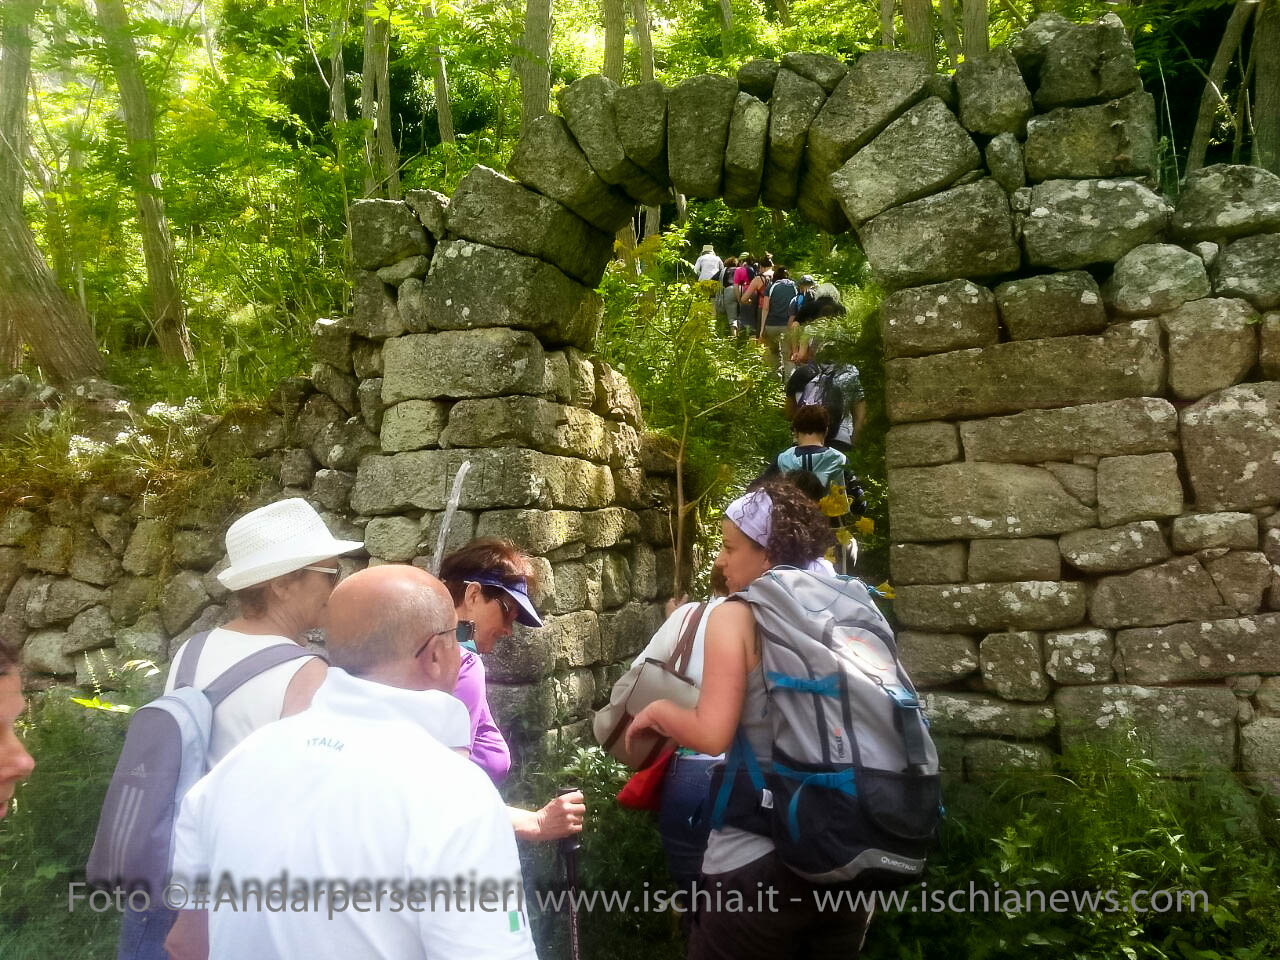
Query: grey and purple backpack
x=166, y=750
x=852, y=794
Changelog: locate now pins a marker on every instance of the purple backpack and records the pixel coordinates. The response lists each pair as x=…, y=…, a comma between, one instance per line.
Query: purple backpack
x=166, y=750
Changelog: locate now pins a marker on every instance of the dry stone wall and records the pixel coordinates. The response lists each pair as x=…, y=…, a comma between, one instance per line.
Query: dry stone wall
x=1083, y=379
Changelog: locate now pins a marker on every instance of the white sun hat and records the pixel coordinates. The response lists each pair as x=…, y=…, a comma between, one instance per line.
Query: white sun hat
x=277, y=539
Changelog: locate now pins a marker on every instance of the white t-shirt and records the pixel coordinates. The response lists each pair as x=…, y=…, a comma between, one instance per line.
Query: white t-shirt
x=357, y=788
x=708, y=266
x=255, y=704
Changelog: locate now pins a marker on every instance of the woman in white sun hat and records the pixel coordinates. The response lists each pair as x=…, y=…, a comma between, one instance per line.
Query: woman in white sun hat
x=283, y=566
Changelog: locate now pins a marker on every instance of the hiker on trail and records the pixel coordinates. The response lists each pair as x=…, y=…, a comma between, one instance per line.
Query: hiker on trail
x=708, y=266
x=357, y=804
x=810, y=453
x=15, y=763
x=775, y=301
x=726, y=300
x=489, y=581
x=834, y=386
x=804, y=296
x=770, y=526
x=750, y=282
x=283, y=566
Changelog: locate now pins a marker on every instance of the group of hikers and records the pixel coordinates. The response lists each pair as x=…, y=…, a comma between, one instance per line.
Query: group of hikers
x=369, y=772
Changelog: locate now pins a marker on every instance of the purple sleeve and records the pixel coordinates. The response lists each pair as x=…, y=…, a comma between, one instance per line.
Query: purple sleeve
x=488, y=748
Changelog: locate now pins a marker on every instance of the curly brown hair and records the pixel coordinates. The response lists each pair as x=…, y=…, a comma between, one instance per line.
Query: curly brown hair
x=800, y=533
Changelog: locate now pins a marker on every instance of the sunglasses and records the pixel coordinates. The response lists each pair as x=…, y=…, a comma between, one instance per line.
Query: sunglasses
x=331, y=571
x=464, y=632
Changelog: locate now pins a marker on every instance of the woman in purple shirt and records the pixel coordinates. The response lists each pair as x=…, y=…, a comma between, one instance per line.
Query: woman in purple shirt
x=489, y=580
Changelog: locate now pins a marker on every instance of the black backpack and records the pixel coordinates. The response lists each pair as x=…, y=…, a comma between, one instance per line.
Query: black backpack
x=781, y=293
x=830, y=392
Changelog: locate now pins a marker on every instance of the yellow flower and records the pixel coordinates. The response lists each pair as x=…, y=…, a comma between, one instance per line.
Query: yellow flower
x=865, y=525
x=886, y=590
x=830, y=555
x=845, y=536
x=835, y=503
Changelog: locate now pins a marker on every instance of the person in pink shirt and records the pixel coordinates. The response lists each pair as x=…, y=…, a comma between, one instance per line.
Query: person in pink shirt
x=489, y=580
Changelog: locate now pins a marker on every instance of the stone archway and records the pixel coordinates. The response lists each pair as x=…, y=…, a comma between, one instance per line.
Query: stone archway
x=1083, y=486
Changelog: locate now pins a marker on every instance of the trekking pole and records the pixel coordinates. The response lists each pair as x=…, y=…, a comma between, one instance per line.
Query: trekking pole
x=569, y=847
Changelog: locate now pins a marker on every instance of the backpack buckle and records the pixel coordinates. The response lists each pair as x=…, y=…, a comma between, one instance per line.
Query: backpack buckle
x=766, y=799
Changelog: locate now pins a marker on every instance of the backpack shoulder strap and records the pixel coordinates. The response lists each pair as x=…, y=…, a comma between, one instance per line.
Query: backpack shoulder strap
x=679, y=659
x=251, y=666
x=190, y=660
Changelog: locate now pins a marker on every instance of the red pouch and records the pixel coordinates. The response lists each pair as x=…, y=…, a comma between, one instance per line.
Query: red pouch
x=644, y=790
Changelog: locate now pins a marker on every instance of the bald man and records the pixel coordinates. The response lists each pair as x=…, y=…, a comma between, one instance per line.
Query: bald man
x=365, y=832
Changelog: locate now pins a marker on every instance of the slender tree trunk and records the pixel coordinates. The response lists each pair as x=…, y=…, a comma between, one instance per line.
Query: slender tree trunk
x=917, y=23
x=1212, y=96
x=976, y=29
x=784, y=12
x=533, y=62
x=169, y=312
x=644, y=46
x=386, y=142
x=615, y=32
x=32, y=306
x=337, y=78
x=440, y=84
x=726, y=24
x=886, y=23
x=947, y=14
x=1266, y=100
x=383, y=177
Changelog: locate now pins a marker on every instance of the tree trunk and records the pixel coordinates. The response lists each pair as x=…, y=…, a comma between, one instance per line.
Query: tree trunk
x=337, y=78
x=383, y=177
x=615, y=32
x=1266, y=100
x=440, y=84
x=947, y=13
x=32, y=307
x=644, y=37
x=886, y=23
x=976, y=30
x=533, y=62
x=169, y=312
x=726, y=24
x=1212, y=96
x=917, y=23
x=784, y=12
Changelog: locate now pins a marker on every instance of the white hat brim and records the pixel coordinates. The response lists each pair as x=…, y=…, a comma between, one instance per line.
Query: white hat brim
x=238, y=578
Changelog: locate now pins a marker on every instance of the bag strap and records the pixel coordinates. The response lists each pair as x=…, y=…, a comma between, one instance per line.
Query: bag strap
x=190, y=659
x=251, y=666
x=678, y=662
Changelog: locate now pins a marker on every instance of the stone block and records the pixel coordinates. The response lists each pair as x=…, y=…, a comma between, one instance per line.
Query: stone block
x=577, y=587
x=411, y=305
x=974, y=713
x=1074, y=223
x=626, y=631
x=876, y=89
x=198, y=549
x=744, y=152
x=1082, y=655
x=548, y=160
x=413, y=425
x=1131, y=426
x=901, y=244
x=410, y=268
x=920, y=153
x=698, y=113
x=523, y=711
x=337, y=386
x=1212, y=345
x=1005, y=162
x=953, y=315
x=1179, y=589
x=145, y=640
x=1207, y=531
x=376, y=314
x=148, y=546
x=1078, y=480
x=51, y=551
x=1184, y=729
x=1229, y=444
x=43, y=653
x=90, y=630
x=981, y=500
x=491, y=209
x=1140, y=487
x=12, y=568
x=131, y=596
x=588, y=106
x=538, y=531
x=1114, y=139
x=431, y=209
x=1260, y=752
x=922, y=444
x=1250, y=268
x=1242, y=577
x=1224, y=201
x=366, y=358
x=16, y=526
x=927, y=562
x=1003, y=561
x=1210, y=650
x=384, y=232
x=1155, y=278
x=1269, y=346
x=822, y=68
x=615, y=579
x=462, y=363
x=640, y=113
x=182, y=598
x=297, y=467
x=1125, y=361
x=936, y=659
x=983, y=607
x=987, y=759
x=331, y=341
x=1051, y=305
x=1030, y=45
x=993, y=99
x=462, y=529
x=795, y=102
x=526, y=657
x=756, y=77
x=1125, y=547
x=394, y=539
x=1012, y=667
x=529, y=422
x=1087, y=62
x=91, y=561
x=614, y=397
x=1267, y=696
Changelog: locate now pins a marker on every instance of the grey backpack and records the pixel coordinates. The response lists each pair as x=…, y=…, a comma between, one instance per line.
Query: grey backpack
x=166, y=750
x=852, y=793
